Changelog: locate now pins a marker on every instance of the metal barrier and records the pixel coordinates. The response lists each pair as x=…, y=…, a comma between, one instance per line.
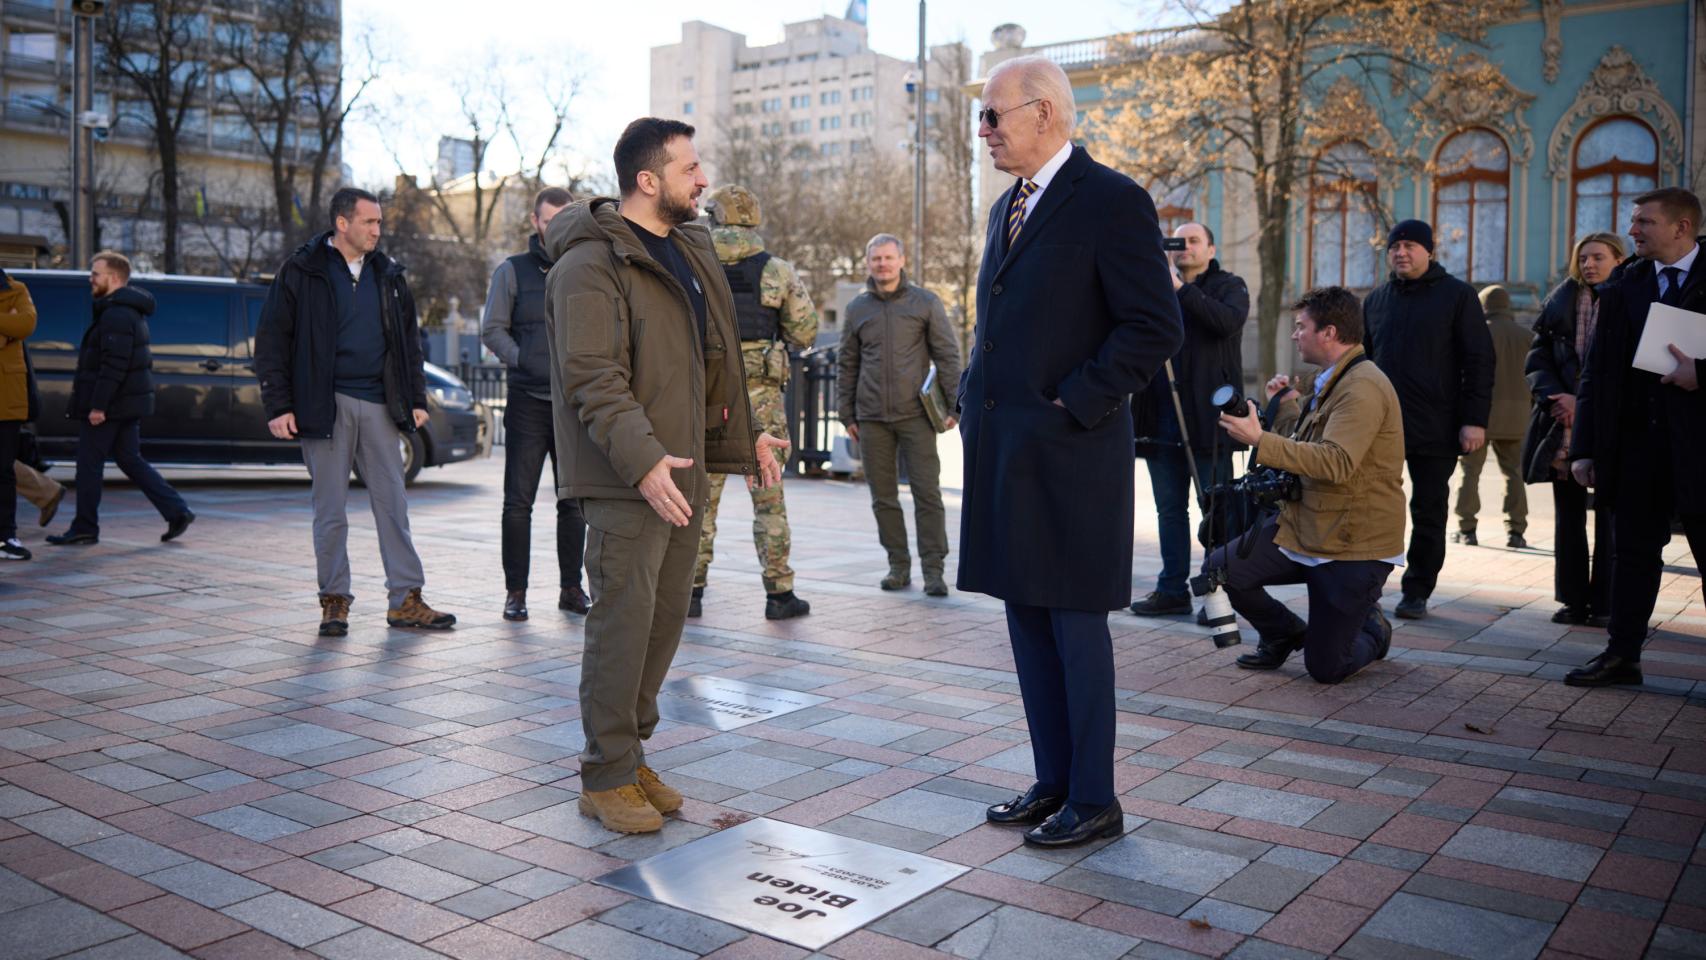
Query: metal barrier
x=809, y=396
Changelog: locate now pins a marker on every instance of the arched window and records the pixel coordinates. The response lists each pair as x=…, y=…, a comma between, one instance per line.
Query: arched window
x=1343, y=228
x=1472, y=205
x=1616, y=159
x=1174, y=207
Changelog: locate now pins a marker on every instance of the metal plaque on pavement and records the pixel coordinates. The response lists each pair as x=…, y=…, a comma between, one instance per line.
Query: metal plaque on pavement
x=726, y=704
x=799, y=885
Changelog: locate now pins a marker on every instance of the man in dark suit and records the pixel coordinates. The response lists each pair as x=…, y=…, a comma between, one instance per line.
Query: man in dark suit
x=1075, y=312
x=1637, y=434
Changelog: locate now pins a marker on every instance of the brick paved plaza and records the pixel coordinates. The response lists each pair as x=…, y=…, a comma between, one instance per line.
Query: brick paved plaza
x=186, y=768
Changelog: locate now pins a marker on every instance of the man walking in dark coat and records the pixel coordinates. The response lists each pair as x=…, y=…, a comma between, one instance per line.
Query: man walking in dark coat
x=1214, y=305
x=112, y=392
x=1075, y=312
x=1425, y=330
x=338, y=356
x=514, y=330
x=1637, y=433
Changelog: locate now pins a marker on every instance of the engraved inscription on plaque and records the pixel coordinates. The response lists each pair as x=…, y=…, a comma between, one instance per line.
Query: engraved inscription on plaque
x=803, y=886
x=727, y=704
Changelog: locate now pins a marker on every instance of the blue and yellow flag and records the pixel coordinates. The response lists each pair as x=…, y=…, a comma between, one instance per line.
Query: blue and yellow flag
x=855, y=11
x=201, y=203
x=296, y=216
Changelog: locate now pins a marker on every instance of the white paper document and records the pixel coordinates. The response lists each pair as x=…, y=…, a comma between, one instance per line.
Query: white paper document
x=1667, y=325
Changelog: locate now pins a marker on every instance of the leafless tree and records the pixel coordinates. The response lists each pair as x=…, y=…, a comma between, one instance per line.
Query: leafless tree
x=956, y=241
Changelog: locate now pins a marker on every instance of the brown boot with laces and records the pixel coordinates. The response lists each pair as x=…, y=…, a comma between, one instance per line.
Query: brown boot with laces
x=334, y=614
x=622, y=810
x=663, y=797
x=415, y=613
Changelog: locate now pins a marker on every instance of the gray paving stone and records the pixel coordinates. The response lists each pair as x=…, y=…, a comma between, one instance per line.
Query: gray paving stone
x=1012, y=933
x=1457, y=929
x=1240, y=847
x=123, y=776
x=536, y=883
x=1258, y=803
x=401, y=840
x=1614, y=901
x=1264, y=886
x=1390, y=856
x=418, y=779
x=934, y=917
x=1356, y=820
x=347, y=855
x=206, y=884
x=1173, y=787
x=291, y=740
x=1018, y=864
x=861, y=729
x=1522, y=851
x=136, y=947
x=927, y=811
x=219, y=780
x=413, y=879
x=1223, y=915
x=1306, y=861
x=983, y=793
x=16, y=802
x=370, y=944
x=1675, y=942
x=257, y=825
x=19, y=891
x=66, y=827
x=883, y=834
x=666, y=924
x=589, y=938
x=482, y=903
x=303, y=808
x=467, y=861
x=757, y=803
x=563, y=822
x=1134, y=893
x=56, y=927
x=639, y=846
x=1441, y=811
x=296, y=922
x=742, y=770
x=808, y=784
x=1254, y=949
x=133, y=855
x=1165, y=864
x=1491, y=898
x=567, y=737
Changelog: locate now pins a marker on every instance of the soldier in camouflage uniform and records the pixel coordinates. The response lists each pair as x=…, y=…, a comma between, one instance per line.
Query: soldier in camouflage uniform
x=775, y=312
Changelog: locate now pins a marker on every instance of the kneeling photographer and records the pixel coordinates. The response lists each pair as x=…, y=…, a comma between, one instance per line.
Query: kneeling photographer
x=1345, y=531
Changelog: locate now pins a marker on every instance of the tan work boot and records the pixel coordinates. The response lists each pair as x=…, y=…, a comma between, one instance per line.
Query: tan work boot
x=334, y=614
x=623, y=810
x=415, y=613
x=663, y=797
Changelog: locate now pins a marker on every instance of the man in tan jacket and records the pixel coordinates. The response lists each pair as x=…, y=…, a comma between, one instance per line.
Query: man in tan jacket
x=1345, y=533
x=17, y=322
x=1505, y=426
x=648, y=396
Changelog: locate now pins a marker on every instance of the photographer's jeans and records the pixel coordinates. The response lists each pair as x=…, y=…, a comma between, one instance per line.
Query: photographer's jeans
x=1170, y=481
x=1342, y=633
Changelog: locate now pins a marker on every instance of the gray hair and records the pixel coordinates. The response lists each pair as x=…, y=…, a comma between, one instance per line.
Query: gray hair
x=884, y=238
x=1042, y=79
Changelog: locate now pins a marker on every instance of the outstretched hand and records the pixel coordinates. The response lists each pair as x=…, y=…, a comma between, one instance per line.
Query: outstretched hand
x=768, y=451
x=659, y=489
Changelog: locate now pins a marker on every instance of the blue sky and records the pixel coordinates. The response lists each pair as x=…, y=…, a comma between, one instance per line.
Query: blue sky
x=414, y=104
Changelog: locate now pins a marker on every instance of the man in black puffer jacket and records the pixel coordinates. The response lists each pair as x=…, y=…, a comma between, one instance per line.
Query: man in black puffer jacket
x=1425, y=330
x=112, y=392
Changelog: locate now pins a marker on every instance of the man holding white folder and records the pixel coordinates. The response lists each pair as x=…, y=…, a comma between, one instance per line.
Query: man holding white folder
x=1640, y=417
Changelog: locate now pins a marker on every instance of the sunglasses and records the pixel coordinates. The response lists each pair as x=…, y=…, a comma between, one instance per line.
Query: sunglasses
x=993, y=117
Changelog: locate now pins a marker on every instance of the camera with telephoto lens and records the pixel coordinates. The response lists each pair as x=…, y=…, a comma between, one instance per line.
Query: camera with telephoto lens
x=1268, y=487
x=1230, y=401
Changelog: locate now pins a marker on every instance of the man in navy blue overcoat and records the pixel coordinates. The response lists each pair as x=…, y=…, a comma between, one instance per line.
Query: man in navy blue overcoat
x=1075, y=313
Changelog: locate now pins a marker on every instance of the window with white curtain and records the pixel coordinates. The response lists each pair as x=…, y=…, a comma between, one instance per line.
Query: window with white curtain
x=1344, y=231
x=1472, y=205
x=1616, y=159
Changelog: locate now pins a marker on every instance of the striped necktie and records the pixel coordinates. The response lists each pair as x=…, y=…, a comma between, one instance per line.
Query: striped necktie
x=1016, y=216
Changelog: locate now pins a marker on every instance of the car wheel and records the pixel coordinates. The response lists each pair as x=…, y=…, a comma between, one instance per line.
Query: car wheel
x=412, y=449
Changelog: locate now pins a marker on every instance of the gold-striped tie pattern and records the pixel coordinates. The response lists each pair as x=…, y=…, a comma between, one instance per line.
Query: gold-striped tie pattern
x=1016, y=216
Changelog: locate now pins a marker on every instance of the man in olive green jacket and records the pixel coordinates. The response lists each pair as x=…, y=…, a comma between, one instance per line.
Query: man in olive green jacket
x=1345, y=533
x=1505, y=425
x=648, y=396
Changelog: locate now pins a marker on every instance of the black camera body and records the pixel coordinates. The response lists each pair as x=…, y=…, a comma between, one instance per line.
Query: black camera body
x=1269, y=487
x=1173, y=244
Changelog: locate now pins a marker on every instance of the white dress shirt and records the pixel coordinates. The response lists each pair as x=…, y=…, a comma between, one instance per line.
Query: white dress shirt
x=1046, y=175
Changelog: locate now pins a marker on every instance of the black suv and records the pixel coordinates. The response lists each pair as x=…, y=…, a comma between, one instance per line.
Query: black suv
x=207, y=406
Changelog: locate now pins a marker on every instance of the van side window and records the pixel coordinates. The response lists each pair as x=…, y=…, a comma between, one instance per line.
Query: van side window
x=64, y=308
x=252, y=307
x=192, y=320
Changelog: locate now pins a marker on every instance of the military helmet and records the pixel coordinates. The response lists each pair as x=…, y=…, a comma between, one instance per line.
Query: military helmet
x=733, y=206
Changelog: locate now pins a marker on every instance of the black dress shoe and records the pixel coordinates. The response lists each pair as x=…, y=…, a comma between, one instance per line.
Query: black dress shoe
x=1575, y=616
x=1031, y=807
x=1159, y=604
x=1599, y=620
x=1382, y=633
x=515, y=605
x=176, y=526
x=1605, y=670
x=1516, y=542
x=70, y=539
x=1066, y=828
x=785, y=606
x=1271, y=655
x=1411, y=608
x=574, y=600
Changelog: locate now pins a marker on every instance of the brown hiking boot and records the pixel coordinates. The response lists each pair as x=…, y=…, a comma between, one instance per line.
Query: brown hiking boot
x=334, y=614
x=623, y=810
x=663, y=797
x=415, y=613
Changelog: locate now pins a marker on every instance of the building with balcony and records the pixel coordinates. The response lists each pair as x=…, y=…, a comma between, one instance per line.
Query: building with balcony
x=229, y=219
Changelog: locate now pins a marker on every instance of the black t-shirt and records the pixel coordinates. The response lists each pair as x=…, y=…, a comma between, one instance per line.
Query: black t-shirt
x=663, y=251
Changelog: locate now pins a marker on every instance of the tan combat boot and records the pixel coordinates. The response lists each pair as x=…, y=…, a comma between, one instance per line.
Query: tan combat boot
x=415, y=613
x=663, y=797
x=623, y=810
x=334, y=615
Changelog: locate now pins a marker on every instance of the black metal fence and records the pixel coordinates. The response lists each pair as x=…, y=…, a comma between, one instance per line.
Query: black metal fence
x=810, y=399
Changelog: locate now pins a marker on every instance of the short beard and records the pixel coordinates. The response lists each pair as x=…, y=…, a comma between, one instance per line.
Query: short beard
x=676, y=213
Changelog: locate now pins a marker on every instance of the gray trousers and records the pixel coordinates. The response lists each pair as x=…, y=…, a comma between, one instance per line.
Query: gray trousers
x=881, y=444
x=362, y=436
x=641, y=571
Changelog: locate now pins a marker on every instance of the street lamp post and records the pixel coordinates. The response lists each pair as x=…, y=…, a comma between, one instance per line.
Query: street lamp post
x=919, y=151
x=83, y=122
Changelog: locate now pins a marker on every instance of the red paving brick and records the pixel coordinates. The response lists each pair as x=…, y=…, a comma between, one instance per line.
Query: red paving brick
x=1359, y=884
x=1311, y=923
x=1602, y=935
x=179, y=922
